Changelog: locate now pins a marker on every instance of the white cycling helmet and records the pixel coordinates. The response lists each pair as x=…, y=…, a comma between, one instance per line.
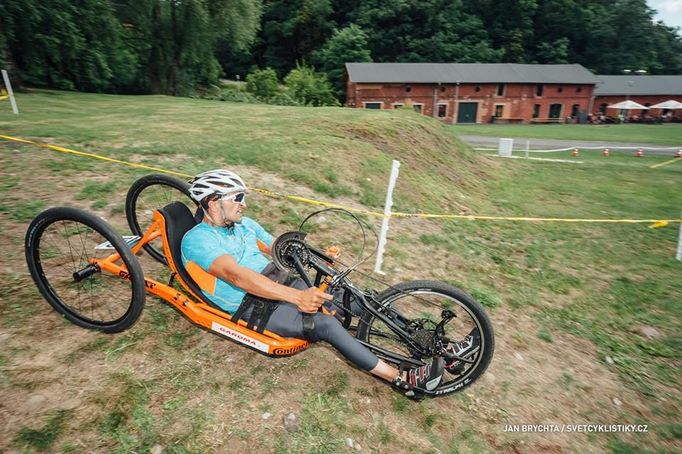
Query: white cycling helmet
x=215, y=182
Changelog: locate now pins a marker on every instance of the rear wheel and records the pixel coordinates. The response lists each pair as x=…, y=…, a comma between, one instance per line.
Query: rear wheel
x=150, y=193
x=418, y=307
x=60, y=245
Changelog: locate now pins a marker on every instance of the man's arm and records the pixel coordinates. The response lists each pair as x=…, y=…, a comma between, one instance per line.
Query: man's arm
x=227, y=269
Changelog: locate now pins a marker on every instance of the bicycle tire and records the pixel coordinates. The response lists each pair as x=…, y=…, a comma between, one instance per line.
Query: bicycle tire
x=468, y=305
x=140, y=218
x=60, y=234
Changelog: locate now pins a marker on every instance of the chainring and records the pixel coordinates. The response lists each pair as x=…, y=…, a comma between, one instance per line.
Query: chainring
x=286, y=247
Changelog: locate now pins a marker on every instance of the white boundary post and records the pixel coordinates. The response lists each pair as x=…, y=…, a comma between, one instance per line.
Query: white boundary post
x=527, y=148
x=679, y=245
x=5, y=77
x=387, y=215
x=505, y=147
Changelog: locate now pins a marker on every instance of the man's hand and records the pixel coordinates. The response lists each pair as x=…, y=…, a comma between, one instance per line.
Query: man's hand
x=333, y=252
x=311, y=299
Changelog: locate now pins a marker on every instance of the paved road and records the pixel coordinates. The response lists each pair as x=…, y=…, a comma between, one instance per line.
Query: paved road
x=550, y=144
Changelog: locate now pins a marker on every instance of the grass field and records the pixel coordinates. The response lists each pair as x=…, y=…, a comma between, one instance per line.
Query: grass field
x=665, y=134
x=568, y=301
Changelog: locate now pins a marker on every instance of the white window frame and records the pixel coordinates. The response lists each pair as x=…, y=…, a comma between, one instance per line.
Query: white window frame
x=503, y=106
x=447, y=105
x=421, y=107
x=397, y=105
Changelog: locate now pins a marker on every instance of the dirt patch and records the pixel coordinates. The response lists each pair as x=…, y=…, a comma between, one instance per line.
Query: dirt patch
x=180, y=385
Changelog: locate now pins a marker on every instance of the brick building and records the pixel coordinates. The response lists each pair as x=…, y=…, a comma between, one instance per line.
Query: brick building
x=645, y=90
x=474, y=92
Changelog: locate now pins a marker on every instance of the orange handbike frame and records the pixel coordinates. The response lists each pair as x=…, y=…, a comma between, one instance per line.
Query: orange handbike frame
x=196, y=310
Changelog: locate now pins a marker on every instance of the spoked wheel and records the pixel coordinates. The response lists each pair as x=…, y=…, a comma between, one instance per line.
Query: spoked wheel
x=151, y=193
x=418, y=308
x=60, y=245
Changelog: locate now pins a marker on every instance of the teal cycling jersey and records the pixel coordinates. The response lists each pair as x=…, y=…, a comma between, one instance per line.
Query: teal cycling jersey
x=205, y=243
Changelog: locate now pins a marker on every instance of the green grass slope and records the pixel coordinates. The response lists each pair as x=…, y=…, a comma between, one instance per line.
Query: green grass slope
x=568, y=301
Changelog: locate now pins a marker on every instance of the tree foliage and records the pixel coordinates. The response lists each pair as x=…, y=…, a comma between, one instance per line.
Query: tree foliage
x=162, y=46
x=346, y=45
x=291, y=31
x=177, y=46
x=424, y=31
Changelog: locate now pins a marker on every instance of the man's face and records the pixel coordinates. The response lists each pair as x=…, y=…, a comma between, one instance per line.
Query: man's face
x=232, y=211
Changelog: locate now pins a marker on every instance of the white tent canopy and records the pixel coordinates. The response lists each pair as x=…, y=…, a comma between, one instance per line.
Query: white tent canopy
x=670, y=104
x=627, y=105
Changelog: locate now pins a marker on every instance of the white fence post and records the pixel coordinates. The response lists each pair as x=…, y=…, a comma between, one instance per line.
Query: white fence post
x=5, y=77
x=504, y=149
x=679, y=244
x=387, y=215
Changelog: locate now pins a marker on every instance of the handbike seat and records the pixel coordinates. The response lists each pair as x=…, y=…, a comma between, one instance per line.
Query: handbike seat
x=179, y=220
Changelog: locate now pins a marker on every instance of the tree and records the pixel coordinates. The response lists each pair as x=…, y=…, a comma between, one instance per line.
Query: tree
x=57, y=43
x=310, y=88
x=509, y=24
x=346, y=45
x=424, y=31
x=291, y=31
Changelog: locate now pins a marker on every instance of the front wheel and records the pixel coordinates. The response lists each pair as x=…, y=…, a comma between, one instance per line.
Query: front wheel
x=418, y=307
x=60, y=246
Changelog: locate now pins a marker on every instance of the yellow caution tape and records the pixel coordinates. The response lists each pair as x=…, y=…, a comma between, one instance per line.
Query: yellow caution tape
x=661, y=164
x=656, y=223
x=95, y=156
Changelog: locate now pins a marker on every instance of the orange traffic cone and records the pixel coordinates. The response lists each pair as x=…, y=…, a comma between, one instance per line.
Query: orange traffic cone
x=575, y=153
x=639, y=153
x=606, y=152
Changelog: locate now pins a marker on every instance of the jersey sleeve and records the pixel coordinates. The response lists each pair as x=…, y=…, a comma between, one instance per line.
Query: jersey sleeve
x=201, y=247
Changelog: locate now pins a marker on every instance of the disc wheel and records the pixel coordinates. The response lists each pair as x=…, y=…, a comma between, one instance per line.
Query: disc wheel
x=151, y=193
x=418, y=305
x=60, y=245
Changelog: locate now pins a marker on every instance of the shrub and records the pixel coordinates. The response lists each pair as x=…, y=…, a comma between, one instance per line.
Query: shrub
x=262, y=83
x=310, y=88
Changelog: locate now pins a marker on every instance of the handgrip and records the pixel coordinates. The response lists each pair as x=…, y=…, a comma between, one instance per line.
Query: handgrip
x=323, y=288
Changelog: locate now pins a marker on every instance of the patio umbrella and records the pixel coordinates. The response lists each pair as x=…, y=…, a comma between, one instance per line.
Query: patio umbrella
x=627, y=105
x=670, y=104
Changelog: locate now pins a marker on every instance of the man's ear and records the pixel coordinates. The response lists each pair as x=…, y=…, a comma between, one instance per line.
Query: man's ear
x=208, y=203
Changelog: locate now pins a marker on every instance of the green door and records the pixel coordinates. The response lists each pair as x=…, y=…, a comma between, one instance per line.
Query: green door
x=466, y=112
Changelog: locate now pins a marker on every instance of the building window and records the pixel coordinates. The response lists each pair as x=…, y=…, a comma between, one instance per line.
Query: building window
x=536, y=110
x=397, y=105
x=575, y=110
x=579, y=89
x=499, y=110
x=417, y=107
x=442, y=110
x=408, y=88
x=602, y=108
x=555, y=110
x=442, y=88
x=539, y=88
x=372, y=105
x=477, y=89
x=500, y=89
x=560, y=89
